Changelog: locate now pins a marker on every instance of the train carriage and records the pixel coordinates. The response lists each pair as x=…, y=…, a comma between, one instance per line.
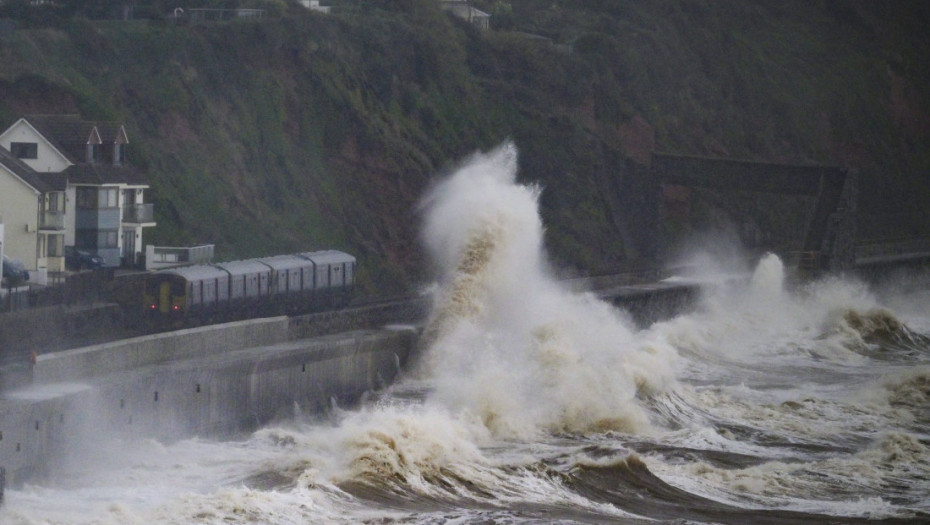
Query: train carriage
x=265, y=285
x=189, y=289
x=334, y=269
x=249, y=281
x=291, y=274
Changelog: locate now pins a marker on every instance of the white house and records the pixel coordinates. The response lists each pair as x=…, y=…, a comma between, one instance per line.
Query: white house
x=101, y=203
x=33, y=209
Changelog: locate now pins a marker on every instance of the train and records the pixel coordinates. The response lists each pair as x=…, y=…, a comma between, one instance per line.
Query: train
x=274, y=285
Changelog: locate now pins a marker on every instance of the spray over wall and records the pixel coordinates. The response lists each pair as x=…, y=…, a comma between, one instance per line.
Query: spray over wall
x=506, y=343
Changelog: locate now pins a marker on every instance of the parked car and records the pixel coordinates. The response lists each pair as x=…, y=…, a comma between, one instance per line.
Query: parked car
x=14, y=271
x=76, y=259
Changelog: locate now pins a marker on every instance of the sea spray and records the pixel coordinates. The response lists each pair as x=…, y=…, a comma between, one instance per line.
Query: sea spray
x=744, y=322
x=769, y=276
x=823, y=364
x=507, y=343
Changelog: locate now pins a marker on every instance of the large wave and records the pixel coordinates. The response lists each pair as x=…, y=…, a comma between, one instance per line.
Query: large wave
x=506, y=343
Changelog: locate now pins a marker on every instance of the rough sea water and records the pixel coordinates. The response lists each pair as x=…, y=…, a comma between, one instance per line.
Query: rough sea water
x=530, y=403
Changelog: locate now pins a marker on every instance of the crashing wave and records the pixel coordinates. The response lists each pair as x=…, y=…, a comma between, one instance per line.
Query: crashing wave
x=506, y=343
x=874, y=331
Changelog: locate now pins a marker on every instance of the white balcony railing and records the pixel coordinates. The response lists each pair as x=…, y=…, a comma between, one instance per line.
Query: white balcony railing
x=158, y=257
x=52, y=220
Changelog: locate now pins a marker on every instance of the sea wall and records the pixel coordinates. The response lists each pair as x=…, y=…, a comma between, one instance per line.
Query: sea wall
x=127, y=354
x=219, y=380
x=210, y=381
x=652, y=302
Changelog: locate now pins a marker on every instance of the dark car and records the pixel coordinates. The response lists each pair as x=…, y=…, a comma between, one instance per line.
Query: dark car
x=76, y=259
x=14, y=271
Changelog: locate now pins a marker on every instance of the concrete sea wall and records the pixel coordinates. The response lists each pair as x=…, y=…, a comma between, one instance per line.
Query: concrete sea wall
x=209, y=381
x=102, y=359
x=218, y=380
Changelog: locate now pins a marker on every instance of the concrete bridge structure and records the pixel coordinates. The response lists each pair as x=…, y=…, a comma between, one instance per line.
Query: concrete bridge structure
x=829, y=222
x=830, y=234
x=790, y=209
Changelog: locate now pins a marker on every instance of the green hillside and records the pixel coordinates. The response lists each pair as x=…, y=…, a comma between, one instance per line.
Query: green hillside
x=307, y=131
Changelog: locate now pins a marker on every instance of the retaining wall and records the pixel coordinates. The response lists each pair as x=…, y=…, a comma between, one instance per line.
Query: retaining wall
x=128, y=354
x=209, y=381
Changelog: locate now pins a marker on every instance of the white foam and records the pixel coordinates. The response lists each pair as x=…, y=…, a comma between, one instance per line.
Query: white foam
x=509, y=345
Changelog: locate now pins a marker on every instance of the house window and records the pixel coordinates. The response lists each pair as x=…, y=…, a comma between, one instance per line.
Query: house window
x=86, y=198
x=108, y=198
x=92, y=153
x=119, y=155
x=85, y=239
x=91, y=198
x=24, y=150
x=94, y=239
x=55, y=246
x=55, y=201
x=107, y=239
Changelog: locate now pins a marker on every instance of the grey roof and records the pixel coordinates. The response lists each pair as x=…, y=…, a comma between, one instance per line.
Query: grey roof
x=244, y=267
x=42, y=183
x=104, y=174
x=70, y=135
x=286, y=262
x=197, y=272
x=328, y=257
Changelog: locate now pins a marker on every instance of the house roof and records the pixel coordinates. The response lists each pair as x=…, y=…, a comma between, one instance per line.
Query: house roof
x=97, y=174
x=71, y=135
x=42, y=183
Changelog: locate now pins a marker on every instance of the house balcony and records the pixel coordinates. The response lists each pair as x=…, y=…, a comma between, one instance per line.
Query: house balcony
x=142, y=214
x=52, y=221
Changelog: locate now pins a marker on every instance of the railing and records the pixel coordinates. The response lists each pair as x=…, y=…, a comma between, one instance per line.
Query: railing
x=809, y=261
x=903, y=248
x=139, y=213
x=52, y=220
x=218, y=15
x=158, y=257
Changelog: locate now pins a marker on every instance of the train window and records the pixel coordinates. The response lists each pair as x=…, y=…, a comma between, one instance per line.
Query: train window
x=177, y=287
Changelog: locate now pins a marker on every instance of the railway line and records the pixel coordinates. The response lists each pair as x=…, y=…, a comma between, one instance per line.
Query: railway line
x=103, y=315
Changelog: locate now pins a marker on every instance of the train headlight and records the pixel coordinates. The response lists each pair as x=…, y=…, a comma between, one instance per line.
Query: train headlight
x=154, y=306
x=176, y=307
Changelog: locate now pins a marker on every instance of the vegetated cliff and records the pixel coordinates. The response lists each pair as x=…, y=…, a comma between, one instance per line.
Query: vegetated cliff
x=311, y=131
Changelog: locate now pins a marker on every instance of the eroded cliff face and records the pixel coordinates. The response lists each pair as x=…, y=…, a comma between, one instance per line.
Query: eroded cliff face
x=311, y=131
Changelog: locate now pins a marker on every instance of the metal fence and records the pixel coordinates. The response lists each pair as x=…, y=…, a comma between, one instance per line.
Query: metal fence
x=83, y=287
x=919, y=246
x=86, y=308
x=15, y=298
x=220, y=15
